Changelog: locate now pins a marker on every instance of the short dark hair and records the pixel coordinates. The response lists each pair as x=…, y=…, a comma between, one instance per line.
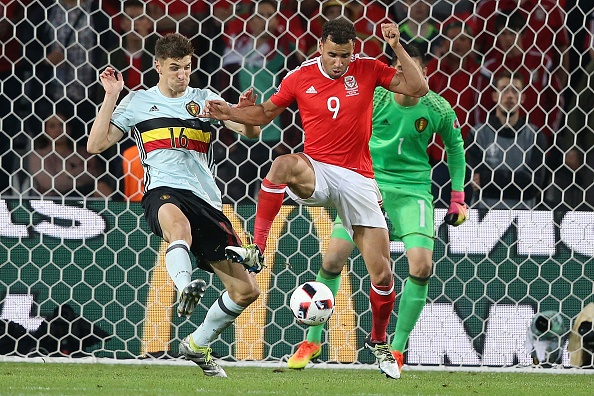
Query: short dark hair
x=513, y=21
x=173, y=46
x=508, y=74
x=414, y=51
x=340, y=30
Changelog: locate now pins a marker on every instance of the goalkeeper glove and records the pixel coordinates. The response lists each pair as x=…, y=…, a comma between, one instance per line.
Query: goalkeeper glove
x=457, y=211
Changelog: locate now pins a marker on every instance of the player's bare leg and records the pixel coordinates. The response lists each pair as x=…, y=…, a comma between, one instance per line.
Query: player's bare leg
x=290, y=170
x=374, y=246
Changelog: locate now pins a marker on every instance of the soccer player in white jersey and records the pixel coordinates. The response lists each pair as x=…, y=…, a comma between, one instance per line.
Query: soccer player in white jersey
x=182, y=203
x=334, y=93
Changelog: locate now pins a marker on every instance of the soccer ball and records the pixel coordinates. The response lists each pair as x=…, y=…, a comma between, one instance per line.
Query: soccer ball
x=312, y=303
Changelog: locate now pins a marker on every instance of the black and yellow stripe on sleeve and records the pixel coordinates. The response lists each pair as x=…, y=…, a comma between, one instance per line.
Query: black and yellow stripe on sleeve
x=174, y=133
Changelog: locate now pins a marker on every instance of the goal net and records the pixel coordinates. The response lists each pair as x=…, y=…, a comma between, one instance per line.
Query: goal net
x=75, y=248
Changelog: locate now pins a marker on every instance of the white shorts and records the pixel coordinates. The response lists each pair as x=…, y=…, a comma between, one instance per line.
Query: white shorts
x=355, y=197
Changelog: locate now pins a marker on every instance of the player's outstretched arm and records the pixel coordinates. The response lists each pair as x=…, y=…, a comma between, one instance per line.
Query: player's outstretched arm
x=249, y=131
x=246, y=99
x=411, y=81
x=104, y=134
x=260, y=114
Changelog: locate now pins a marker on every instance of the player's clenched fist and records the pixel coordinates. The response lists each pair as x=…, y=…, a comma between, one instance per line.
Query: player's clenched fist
x=391, y=33
x=458, y=211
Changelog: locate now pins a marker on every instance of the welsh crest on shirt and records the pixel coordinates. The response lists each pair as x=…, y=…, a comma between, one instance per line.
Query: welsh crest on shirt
x=336, y=113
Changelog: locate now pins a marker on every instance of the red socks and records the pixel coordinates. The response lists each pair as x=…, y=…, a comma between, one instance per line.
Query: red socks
x=382, y=304
x=270, y=200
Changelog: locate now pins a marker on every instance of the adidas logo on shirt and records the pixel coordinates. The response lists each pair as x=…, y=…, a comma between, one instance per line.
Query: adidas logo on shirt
x=311, y=90
x=154, y=108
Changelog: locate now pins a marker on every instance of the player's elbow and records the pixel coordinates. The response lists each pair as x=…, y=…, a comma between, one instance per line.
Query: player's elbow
x=93, y=148
x=422, y=89
x=253, y=132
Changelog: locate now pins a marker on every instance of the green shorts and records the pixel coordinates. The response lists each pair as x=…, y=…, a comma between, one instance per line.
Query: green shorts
x=410, y=217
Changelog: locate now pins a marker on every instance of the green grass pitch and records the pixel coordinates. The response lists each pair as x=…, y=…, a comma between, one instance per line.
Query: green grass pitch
x=21, y=378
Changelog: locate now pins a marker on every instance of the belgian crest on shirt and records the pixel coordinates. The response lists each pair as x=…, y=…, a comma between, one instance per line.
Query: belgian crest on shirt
x=421, y=124
x=193, y=108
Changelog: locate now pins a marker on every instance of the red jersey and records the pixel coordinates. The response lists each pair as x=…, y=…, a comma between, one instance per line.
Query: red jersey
x=369, y=22
x=181, y=6
x=540, y=103
x=543, y=39
x=336, y=113
x=545, y=25
x=459, y=87
x=11, y=51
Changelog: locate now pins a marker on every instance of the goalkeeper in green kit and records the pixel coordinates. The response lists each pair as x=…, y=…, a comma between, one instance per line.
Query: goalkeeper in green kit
x=403, y=127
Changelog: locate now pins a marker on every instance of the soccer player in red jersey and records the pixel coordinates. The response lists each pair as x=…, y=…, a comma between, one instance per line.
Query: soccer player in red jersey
x=334, y=93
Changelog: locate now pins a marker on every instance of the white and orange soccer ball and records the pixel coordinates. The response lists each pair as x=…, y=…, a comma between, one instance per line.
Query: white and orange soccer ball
x=312, y=303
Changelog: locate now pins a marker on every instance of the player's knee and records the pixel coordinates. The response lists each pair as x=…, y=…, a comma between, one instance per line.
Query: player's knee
x=333, y=263
x=281, y=168
x=246, y=296
x=420, y=262
x=421, y=269
x=386, y=279
x=252, y=294
x=381, y=273
x=178, y=230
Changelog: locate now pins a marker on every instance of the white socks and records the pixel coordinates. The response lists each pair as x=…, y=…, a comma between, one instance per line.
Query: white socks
x=219, y=316
x=179, y=266
x=221, y=313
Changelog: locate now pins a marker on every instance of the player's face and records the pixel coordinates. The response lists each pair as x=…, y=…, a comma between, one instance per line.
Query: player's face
x=174, y=75
x=336, y=57
x=508, y=94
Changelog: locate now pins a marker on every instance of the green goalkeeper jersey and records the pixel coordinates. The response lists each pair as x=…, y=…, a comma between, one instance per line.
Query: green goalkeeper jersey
x=402, y=134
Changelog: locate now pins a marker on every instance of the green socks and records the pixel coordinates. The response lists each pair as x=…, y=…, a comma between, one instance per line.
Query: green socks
x=412, y=301
x=332, y=280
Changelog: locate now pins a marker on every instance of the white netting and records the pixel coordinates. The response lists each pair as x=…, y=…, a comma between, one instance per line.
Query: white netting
x=491, y=275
